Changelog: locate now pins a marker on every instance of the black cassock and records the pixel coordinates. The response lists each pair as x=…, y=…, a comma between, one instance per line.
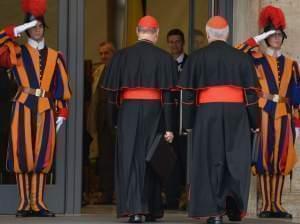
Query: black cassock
x=143, y=65
x=220, y=162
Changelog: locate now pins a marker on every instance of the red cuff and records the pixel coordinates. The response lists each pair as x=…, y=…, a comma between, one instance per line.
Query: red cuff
x=63, y=112
x=297, y=122
x=251, y=42
x=9, y=30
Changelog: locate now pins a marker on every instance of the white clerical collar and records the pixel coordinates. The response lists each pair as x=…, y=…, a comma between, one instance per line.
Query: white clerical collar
x=180, y=58
x=36, y=45
x=272, y=52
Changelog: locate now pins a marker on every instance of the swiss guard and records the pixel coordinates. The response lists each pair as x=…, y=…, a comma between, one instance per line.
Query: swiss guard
x=279, y=102
x=39, y=107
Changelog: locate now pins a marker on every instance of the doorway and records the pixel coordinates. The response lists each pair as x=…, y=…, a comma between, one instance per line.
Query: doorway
x=115, y=21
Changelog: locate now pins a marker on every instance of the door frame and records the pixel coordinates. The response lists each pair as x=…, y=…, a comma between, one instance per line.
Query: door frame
x=72, y=42
x=72, y=27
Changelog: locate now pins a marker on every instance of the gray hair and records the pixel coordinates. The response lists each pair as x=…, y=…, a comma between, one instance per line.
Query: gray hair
x=221, y=34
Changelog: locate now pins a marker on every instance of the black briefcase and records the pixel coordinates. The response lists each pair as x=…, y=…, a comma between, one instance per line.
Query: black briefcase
x=256, y=144
x=161, y=157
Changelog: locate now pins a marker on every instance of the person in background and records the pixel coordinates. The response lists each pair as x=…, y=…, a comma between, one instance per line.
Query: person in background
x=175, y=186
x=106, y=51
x=199, y=39
x=105, y=136
x=176, y=41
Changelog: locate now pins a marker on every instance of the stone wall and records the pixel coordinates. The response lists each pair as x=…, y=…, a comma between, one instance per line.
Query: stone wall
x=245, y=25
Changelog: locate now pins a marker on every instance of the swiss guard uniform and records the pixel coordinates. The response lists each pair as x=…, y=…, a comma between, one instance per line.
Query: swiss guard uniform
x=221, y=115
x=278, y=76
x=139, y=80
x=43, y=92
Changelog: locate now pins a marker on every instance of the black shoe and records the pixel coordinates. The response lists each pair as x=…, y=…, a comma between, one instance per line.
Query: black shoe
x=150, y=218
x=135, y=219
x=214, y=220
x=282, y=215
x=43, y=213
x=23, y=213
x=232, y=210
x=266, y=214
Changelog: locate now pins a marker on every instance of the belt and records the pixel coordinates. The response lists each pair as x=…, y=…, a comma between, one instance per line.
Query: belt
x=221, y=94
x=141, y=94
x=273, y=97
x=35, y=92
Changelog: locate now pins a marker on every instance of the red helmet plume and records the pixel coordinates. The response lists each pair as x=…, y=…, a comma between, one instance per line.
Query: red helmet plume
x=37, y=8
x=273, y=16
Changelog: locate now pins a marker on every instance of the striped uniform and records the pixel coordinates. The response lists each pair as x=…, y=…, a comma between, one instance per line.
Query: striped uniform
x=32, y=138
x=277, y=155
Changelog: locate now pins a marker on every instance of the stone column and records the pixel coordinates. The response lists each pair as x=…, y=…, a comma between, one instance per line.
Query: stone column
x=245, y=17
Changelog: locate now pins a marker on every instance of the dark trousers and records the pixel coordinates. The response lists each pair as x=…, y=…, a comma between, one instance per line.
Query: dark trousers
x=105, y=163
x=175, y=185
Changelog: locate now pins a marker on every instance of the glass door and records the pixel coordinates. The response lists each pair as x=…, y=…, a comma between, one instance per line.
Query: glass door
x=199, y=12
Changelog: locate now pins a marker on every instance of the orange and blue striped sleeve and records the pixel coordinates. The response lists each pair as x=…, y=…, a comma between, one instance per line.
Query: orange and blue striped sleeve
x=9, y=50
x=295, y=97
x=251, y=48
x=247, y=46
x=60, y=88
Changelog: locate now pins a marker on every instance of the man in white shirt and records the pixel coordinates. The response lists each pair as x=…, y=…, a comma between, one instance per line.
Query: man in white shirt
x=106, y=51
x=176, y=184
x=175, y=39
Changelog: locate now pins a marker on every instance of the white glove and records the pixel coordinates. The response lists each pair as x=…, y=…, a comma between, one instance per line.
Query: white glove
x=169, y=136
x=255, y=130
x=20, y=29
x=59, y=122
x=263, y=36
x=297, y=132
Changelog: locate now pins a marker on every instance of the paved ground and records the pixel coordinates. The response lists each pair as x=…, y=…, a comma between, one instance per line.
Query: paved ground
x=96, y=215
